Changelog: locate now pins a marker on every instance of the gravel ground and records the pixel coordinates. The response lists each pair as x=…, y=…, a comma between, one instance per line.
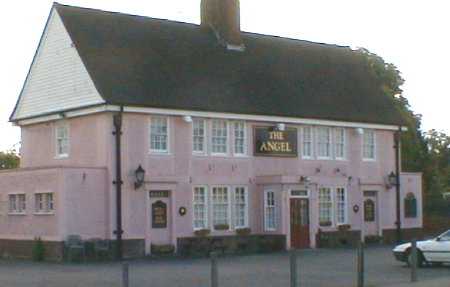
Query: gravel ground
x=318, y=268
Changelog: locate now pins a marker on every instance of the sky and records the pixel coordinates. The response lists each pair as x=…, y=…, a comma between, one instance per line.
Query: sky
x=413, y=35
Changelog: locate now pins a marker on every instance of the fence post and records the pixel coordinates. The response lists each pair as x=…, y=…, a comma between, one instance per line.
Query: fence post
x=293, y=263
x=125, y=274
x=414, y=260
x=214, y=271
x=360, y=265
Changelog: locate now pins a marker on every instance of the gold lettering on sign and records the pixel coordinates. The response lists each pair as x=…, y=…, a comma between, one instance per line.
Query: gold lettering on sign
x=276, y=135
x=276, y=147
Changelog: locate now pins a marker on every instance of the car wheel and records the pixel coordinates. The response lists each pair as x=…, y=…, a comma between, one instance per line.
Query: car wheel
x=420, y=259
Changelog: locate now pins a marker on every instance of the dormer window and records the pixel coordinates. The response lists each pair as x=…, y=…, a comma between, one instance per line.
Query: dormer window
x=62, y=140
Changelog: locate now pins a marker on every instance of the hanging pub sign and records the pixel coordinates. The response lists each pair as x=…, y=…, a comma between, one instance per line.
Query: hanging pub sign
x=159, y=214
x=270, y=141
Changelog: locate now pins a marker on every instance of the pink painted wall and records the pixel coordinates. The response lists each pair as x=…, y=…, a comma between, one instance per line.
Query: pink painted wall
x=92, y=145
x=80, y=205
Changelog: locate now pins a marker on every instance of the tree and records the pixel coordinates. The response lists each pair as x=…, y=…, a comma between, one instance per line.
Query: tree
x=9, y=160
x=426, y=152
x=414, y=146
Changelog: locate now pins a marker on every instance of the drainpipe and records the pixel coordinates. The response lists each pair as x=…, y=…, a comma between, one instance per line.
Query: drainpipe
x=397, y=184
x=117, y=121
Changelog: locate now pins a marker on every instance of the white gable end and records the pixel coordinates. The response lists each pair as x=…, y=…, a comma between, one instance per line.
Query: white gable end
x=58, y=79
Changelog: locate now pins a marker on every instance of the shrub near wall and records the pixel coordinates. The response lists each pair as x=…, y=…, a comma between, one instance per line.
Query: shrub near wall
x=202, y=246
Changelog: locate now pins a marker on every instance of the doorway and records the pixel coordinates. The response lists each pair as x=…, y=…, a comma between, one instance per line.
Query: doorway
x=299, y=208
x=370, y=213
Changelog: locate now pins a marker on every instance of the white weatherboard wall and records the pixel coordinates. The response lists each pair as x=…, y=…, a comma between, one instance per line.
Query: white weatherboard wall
x=58, y=79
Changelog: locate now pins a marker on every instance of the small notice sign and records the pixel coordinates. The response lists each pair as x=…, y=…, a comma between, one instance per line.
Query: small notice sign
x=159, y=214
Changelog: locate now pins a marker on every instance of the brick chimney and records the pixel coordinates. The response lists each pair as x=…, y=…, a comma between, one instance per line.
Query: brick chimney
x=223, y=17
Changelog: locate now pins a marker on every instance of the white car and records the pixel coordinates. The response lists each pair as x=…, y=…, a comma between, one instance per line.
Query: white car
x=434, y=251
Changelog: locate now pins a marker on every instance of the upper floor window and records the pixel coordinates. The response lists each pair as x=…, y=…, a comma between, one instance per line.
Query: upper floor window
x=325, y=207
x=43, y=202
x=198, y=136
x=159, y=134
x=200, y=208
x=241, y=207
x=369, y=144
x=269, y=211
x=323, y=142
x=307, y=143
x=62, y=140
x=240, y=138
x=17, y=203
x=339, y=143
x=219, y=137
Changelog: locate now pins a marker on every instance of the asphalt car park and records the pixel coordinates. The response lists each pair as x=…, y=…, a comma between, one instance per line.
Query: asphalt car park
x=317, y=268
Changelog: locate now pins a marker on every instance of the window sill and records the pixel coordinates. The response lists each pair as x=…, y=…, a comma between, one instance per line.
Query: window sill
x=307, y=157
x=44, y=213
x=225, y=155
x=62, y=156
x=161, y=153
x=200, y=154
x=324, y=158
x=241, y=155
x=369, y=160
x=17, y=213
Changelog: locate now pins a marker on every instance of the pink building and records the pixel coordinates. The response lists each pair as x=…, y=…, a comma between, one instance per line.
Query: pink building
x=227, y=140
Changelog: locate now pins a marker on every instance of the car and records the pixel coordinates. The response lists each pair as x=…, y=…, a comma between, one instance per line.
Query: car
x=433, y=251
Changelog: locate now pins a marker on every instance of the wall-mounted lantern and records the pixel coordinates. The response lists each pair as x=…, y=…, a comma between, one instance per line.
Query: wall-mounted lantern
x=139, y=174
x=281, y=127
x=392, y=179
x=305, y=179
x=187, y=119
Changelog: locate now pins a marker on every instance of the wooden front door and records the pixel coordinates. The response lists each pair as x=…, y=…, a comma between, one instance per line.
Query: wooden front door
x=370, y=213
x=299, y=223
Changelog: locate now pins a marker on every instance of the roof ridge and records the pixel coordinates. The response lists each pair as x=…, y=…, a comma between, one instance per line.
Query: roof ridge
x=197, y=25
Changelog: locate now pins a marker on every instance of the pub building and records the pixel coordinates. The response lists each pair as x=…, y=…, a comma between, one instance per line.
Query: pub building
x=161, y=135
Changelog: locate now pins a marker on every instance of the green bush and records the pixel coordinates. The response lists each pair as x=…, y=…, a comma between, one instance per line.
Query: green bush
x=38, y=250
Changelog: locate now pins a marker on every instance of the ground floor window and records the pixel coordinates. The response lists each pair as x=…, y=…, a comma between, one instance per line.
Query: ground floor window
x=269, y=210
x=240, y=207
x=200, y=208
x=325, y=207
x=341, y=206
x=17, y=203
x=221, y=206
x=44, y=202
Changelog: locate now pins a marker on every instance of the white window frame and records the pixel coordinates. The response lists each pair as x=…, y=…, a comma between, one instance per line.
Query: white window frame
x=373, y=145
x=311, y=142
x=229, y=193
x=336, y=143
x=205, y=136
x=206, y=205
x=159, y=151
x=318, y=142
x=213, y=153
x=266, y=213
x=57, y=127
x=345, y=205
x=245, y=138
x=18, y=209
x=235, y=214
x=331, y=211
x=45, y=203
